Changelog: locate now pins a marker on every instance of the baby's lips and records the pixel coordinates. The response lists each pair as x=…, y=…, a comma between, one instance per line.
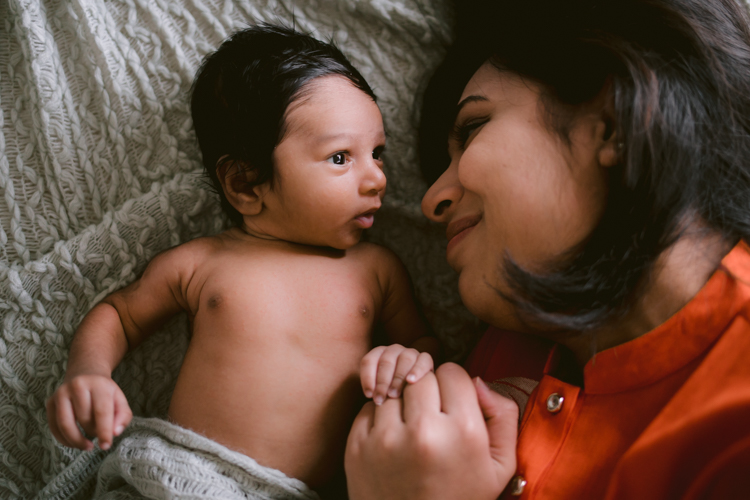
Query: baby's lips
x=366, y=221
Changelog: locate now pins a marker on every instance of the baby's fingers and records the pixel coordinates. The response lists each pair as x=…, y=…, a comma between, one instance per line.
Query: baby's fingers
x=104, y=415
x=386, y=369
x=422, y=367
x=63, y=424
x=123, y=413
x=368, y=369
x=406, y=360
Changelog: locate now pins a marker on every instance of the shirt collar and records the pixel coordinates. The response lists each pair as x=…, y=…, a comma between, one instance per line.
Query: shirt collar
x=678, y=341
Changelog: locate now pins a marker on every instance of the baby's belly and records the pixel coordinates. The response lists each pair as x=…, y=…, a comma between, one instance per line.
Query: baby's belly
x=285, y=396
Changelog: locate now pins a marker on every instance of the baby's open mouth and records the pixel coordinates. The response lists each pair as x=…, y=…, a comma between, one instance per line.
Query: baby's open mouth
x=366, y=219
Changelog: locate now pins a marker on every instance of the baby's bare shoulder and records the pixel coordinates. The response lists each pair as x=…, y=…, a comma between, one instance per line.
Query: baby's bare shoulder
x=372, y=253
x=192, y=252
x=378, y=257
x=181, y=263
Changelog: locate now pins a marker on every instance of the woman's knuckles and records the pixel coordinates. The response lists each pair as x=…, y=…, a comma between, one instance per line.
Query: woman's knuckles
x=391, y=441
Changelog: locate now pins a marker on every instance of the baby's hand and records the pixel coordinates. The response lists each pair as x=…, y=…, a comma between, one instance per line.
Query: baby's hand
x=97, y=403
x=384, y=370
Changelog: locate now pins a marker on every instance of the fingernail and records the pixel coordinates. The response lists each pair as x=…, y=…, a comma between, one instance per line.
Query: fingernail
x=368, y=394
x=104, y=446
x=411, y=378
x=119, y=429
x=480, y=383
x=393, y=393
x=378, y=400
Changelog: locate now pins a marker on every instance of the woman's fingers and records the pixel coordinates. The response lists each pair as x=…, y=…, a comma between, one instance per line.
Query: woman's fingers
x=457, y=392
x=388, y=413
x=501, y=417
x=415, y=458
x=421, y=397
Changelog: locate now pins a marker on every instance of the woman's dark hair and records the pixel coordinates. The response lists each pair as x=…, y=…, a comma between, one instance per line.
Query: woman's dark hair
x=679, y=72
x=242, y=91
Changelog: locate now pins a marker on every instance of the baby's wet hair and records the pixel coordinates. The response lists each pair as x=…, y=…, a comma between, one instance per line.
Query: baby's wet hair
x=243, y=90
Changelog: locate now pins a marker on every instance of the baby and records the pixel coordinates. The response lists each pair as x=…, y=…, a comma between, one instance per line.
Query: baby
x=282, y=306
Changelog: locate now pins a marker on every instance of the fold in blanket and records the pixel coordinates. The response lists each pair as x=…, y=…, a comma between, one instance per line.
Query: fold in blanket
x=159, y=460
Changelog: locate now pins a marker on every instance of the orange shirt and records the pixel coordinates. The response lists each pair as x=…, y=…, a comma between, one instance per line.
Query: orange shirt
x=664, y=416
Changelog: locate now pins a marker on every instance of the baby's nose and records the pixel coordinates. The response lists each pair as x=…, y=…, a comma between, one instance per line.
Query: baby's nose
x=374, y=181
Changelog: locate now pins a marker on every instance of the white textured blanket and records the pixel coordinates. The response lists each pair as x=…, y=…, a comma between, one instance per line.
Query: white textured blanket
x=99, y=171
x=159, y=460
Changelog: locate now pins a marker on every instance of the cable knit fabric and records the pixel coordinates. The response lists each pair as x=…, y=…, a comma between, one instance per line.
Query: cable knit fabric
x=157, y=459
x=100, y=171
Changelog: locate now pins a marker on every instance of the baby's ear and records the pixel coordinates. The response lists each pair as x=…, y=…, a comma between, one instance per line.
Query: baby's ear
x=236, y=178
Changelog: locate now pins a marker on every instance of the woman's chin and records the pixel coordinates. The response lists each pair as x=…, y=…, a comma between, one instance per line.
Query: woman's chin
x=485, y=302
x=478, y=297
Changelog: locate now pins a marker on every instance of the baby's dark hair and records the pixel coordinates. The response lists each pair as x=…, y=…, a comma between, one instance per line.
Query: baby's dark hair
x=242, y=91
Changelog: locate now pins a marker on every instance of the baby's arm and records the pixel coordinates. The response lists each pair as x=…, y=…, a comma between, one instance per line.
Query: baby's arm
x=385, y=369
x=120, y=322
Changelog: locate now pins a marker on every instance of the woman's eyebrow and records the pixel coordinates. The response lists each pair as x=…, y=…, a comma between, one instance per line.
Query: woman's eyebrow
x=471, y=98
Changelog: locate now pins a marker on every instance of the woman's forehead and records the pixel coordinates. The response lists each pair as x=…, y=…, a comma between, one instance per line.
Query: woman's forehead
x=490, y=83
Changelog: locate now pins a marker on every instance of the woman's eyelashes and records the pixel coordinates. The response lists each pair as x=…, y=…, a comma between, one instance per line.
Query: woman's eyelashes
x=463, y=131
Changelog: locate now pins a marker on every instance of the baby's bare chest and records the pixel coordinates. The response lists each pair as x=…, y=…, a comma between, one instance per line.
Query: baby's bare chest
x=325, y=299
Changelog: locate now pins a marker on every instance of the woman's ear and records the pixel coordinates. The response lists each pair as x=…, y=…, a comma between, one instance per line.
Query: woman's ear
x=236, y=180
x=610, y=145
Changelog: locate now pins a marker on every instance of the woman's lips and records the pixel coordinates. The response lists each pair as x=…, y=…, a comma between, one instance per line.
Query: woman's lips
x=457, y=230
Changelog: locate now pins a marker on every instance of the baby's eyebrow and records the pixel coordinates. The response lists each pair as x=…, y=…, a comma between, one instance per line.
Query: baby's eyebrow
x=333, y=137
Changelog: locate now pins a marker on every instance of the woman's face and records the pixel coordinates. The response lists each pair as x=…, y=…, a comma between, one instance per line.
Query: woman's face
x=515, y=186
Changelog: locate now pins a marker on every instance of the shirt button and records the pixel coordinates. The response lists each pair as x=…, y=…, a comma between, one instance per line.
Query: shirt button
x=554, y=402
x=517, y=484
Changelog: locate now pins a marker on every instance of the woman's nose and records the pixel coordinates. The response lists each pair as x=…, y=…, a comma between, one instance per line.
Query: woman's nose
x=440, y=200
x=374, y=180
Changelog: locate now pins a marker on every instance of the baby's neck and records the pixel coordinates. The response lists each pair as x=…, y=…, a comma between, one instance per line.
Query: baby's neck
x=241, y=232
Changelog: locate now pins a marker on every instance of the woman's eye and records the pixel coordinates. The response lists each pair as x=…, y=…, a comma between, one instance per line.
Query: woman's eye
x=378, y=152
x=462, y=133
x=338, y=159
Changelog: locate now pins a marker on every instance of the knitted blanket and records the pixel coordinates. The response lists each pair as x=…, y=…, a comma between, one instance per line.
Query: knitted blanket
x=156, y=459
x=100, y=170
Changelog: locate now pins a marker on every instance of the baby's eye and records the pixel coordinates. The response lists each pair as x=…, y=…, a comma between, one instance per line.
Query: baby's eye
x=378, y=152
x=338, y=159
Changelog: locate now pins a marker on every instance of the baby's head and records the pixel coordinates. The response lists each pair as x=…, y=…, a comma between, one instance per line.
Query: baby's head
x=291, y=137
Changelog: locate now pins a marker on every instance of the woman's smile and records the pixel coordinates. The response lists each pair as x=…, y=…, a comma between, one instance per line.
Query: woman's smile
x=457, y=230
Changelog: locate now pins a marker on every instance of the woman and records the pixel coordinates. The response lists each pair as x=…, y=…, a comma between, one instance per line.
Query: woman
x=596, y=201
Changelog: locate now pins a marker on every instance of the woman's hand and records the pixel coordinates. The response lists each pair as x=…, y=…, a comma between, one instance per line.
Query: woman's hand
x=448, y=438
